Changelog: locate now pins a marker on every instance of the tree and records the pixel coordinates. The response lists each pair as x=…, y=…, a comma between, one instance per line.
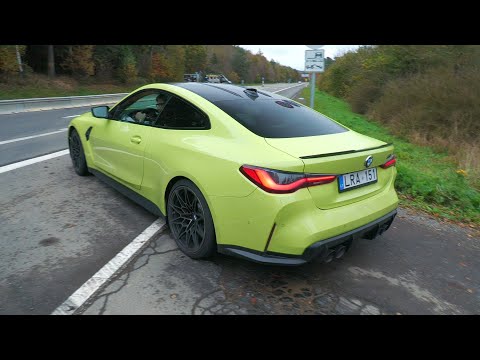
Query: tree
x=106, y=59
x=127, y=71
x=240, y=62
x=10, y=58
x=51, y=62
x=144, y=56
x=195, y=58
x=214, y=62
x=19, y=59
x=168, y=63
x=79, y=60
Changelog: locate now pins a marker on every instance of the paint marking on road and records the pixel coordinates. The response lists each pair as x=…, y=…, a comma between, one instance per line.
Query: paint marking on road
x=32, y=137
x=287, y=88
x=33, y=161
x=70, y=116
x=97, y=281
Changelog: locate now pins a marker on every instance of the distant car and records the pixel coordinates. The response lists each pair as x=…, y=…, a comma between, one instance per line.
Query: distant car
x=241, y=171
x=299, y=82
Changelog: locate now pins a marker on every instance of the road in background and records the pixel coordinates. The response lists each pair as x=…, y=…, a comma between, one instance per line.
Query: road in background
x=34, y=126
x=45, y=131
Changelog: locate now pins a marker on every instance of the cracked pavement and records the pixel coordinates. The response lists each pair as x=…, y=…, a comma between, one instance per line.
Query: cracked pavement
x=398, y=273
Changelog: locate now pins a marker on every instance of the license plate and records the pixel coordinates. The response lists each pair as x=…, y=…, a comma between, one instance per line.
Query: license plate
x=357, y=179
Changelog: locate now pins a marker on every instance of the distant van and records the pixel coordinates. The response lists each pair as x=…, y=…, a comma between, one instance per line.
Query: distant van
x=217, y=78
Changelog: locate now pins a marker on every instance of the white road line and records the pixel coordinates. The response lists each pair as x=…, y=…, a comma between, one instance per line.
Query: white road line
x=32, y=161
x=95, y=283
x=70, y=116
x=32, y=137
x=286, y=88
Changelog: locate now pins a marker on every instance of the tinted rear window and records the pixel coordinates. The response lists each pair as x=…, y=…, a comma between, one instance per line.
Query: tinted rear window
x=277, y=118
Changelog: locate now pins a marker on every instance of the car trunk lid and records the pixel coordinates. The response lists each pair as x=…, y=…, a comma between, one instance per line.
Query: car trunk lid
x=339, y=154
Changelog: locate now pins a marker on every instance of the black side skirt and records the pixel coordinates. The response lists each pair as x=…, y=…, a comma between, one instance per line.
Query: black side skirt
x=132, y=195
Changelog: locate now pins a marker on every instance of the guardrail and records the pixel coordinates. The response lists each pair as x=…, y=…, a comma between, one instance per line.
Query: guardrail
x=36, y=104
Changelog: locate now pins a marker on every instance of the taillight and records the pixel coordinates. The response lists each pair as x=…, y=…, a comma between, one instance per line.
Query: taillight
x=391, y=161
x=282, y=182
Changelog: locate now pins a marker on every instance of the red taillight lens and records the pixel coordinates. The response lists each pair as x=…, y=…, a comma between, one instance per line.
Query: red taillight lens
x=281, y=182
x=390, y=162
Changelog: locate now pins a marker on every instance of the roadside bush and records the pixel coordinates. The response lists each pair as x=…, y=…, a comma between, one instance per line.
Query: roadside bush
x=428, y=94
x=363, y=94
x=440, y=108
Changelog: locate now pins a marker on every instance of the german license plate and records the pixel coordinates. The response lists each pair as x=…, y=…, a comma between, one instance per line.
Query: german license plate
x=357, y=179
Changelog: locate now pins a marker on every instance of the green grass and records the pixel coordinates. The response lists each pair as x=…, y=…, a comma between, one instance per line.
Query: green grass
x=426, y=179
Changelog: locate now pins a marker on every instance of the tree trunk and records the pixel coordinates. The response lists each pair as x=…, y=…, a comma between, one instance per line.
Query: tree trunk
x=51, y=62
x=19, y=60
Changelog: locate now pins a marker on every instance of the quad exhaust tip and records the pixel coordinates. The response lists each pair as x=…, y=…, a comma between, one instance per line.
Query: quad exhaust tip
x=329, y=258
x=335, y=253
x=340, y=251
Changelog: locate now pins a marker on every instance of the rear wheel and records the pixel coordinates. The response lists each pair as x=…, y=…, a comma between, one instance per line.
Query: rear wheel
x=190, y=220
x=76, y=154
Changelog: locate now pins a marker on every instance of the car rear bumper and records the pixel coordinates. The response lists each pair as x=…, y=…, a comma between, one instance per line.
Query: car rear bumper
x=323, y=250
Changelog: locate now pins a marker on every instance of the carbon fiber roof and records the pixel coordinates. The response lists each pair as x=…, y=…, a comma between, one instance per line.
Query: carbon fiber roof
x=218, y=92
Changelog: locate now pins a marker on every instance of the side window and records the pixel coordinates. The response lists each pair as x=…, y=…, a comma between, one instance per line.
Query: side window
x=140, y=108
x=178, y=114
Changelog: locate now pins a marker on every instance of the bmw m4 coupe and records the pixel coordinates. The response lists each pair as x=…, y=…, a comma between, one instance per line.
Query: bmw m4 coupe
x=240, y=171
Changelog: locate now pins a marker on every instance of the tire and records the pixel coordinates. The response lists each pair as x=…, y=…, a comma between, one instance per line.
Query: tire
x=190, y=220
x=76, y=154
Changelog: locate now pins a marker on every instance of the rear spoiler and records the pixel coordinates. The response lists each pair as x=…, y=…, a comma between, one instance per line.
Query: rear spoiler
x=344, y=152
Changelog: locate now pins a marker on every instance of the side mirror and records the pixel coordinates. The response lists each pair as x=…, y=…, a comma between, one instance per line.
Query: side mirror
x=100, y=112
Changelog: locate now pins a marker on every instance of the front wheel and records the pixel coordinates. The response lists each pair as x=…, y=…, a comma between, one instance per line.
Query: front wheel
x=76, y=154
x=190, y=220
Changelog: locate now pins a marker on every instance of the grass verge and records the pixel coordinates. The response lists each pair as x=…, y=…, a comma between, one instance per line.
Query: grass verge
x=426, y=180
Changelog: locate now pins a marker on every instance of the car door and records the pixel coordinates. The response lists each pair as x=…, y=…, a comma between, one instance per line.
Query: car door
x=119, y=143
x=172, y=145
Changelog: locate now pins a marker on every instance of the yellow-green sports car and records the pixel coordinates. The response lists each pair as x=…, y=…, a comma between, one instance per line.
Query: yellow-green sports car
x=240, y=171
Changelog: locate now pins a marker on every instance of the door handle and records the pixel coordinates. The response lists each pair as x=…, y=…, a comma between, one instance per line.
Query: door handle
x=136, y=139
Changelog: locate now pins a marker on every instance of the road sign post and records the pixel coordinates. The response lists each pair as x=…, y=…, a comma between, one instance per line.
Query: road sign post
x=314, y=62
x=312, y=90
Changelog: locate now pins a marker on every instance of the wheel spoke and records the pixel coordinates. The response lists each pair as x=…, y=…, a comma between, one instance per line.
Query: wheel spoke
x=195, y=238
x=183, y=218
x=177, y=209
x=180, y=222
x=187, y=202
x=193, y=202
x=187, y=218
x=182, y=233
x=182, y=203
x=189, y=237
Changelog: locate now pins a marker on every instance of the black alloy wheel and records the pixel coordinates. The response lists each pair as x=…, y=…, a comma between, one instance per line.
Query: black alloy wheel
x=190, y=220
x=76, y=154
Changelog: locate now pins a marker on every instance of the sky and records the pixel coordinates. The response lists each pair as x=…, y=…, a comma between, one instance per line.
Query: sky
x=294, y=55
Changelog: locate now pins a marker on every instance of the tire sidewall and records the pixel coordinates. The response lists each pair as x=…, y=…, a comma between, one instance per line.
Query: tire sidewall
x=209, y=245
x=82, y=169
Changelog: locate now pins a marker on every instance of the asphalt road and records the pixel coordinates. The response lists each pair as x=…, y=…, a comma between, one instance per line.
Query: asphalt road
x=32, y=124
x=58, y=229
